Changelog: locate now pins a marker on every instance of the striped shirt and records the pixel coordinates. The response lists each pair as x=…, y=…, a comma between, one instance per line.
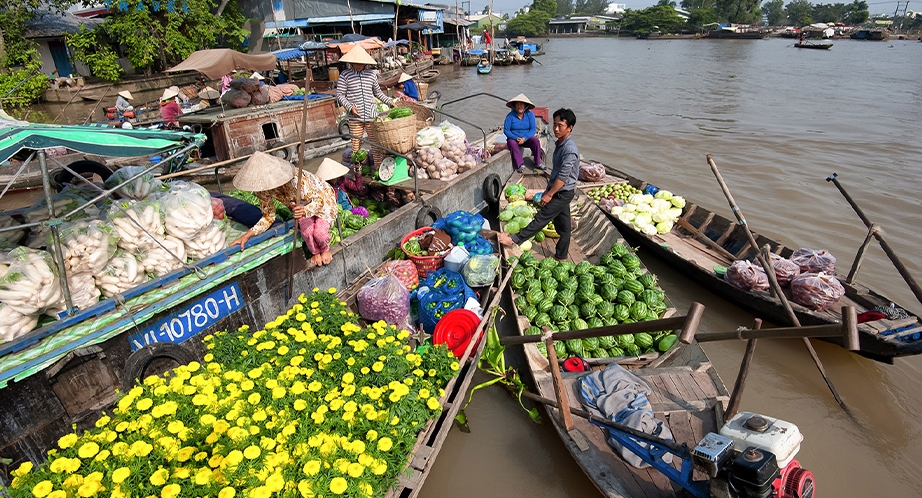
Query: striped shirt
x=358, y=90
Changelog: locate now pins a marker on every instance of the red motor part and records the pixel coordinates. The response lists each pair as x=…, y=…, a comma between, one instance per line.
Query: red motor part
x=795, y=482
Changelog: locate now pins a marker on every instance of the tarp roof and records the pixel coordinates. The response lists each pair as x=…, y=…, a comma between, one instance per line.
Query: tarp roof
x=288, y=54
x=217, y=62
x=47, y=24
x=113, y=142
x=368, y=44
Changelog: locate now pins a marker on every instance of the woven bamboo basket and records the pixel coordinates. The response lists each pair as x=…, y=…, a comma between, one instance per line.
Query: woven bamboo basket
x=398, y=134
x=424, y=116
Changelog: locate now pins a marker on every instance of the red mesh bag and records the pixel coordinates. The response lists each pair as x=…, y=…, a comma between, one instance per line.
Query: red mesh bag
x=817, y=291
x=404, y=270
x=746, y=276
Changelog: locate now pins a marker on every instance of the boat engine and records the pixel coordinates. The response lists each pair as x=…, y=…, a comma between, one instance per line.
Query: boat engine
x=753, y=457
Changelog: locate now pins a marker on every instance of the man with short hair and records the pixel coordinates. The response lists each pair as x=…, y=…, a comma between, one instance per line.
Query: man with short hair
x=561, y=186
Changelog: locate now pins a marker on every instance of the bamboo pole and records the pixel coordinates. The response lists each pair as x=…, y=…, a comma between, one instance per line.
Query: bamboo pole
x=770, y=272
x=740, y=384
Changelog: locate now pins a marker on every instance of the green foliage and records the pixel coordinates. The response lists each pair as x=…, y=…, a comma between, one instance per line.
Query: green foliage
x=799, y=12
x=564, y=7
x=774, y=11
x=656, y=18
x=29, y=91
x=858, y=13
x=739, y=11
x=531, y=24
x=667, y=3
x=689, y=5
x=547, y=6
x=97, y=55
x=700, y=18
x=590, y=7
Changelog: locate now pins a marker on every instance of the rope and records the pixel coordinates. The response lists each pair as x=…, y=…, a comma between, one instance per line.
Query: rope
x=120, y=301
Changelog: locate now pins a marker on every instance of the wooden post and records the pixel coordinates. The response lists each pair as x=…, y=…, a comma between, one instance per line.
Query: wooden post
x=859, y=257
x=740, y=384
x=691, y=323
x=850, y=324
x=563, y=404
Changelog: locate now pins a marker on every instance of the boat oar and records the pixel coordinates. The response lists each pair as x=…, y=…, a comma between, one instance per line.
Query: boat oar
x=900, y=267
x=770, y=272
x=294, y=237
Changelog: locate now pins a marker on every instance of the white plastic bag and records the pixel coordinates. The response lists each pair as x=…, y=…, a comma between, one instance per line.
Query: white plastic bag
x=452, y=132
x=137, y=223
x=430, y=136
x=28, y=283
x=121, y=274
x=208, y=241
x=137, y=189
x=186, y=209
x=14, y=324
x=12, y=237
x=87, y=245
x=157, y=261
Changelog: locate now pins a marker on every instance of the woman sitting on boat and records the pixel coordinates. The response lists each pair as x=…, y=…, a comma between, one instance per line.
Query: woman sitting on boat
x=123, y=106
x=356, y=91
x=408, y=87
x=169, y=109
x=520, y=128
x=269, y=178
x=335, y=173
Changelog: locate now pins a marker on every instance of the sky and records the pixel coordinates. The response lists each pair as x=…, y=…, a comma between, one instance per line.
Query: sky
x=510, y=6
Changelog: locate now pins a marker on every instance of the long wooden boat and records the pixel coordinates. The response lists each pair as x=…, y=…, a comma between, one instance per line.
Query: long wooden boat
x=66, y=372
x=688, y=394
x=818, y=46
x=703, y=240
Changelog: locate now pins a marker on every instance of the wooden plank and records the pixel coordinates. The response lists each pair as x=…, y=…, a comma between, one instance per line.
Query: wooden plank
x=705, y=384
x=690, y=383
x=682, y=432
x=421, y=457
x=682, y=393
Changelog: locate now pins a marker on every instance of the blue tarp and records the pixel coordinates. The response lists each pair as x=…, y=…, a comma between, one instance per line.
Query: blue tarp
x=391, y=43
x=288, y=54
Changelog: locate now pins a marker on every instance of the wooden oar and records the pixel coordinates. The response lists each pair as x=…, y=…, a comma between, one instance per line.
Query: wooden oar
x=770, y=272
x=900, y=267
x=294, y=237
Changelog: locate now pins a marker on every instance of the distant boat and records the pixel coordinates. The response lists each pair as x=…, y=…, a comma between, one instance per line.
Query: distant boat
x=484, y=67
x=820, y=46
x=735, y=33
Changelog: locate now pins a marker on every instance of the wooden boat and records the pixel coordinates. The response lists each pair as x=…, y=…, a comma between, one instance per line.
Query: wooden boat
x=702, y=240
x=727, y=34
x=428, y=76
x=66, y=372
x=818, y=46
x=484, y=67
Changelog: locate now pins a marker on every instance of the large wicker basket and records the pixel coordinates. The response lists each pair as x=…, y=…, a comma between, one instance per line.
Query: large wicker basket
x=423, y=115
x=398, y=134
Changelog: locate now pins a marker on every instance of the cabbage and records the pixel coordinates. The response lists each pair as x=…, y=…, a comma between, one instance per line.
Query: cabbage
x=525, y=246
x=636, y=199
x=660, y=205
x=647, y=198
x=664, y=227
x=649, y=229
x=663, y=194
x=643, y=219
x=513, y=228
x=626, y=216
x=678, y=201
x=643, y=208
x=661, y=217
x=674, y=212
x=617, y=210
x=629, y=208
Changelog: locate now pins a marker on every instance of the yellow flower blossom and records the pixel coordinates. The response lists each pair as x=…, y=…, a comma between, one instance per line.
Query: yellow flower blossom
x=67, y=441
x=251, y=452
x=227, y=492
x=88, y=450
x=159, y=477
x=42, y=489
x=120, y=474
x=385, y=444
x=88, y=488
x=433, y=403
x=338, y=485
x=170, y=491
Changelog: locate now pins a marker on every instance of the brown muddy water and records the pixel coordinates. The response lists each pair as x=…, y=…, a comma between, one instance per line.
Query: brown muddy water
x=778, y=121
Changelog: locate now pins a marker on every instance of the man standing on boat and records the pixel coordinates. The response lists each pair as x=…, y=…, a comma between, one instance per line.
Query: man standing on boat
x=561, y=185
x=356, y=90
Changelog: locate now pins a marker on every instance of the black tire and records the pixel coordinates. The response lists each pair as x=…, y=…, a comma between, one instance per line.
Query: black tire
x=434, y=95
x=492, y=189
x=140, y=360
x=281, y=153
x=343, y=129
x=84, y=168
x=427, y=215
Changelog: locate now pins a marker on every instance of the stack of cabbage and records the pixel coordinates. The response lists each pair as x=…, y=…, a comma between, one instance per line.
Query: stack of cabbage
x=649, y=214
x=564, y=296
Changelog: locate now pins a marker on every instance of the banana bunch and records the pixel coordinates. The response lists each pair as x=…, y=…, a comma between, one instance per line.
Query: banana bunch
x=550, y=231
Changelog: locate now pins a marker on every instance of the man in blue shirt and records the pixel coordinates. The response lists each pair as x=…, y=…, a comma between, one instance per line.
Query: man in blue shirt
x=561, y=186
x=409, y=86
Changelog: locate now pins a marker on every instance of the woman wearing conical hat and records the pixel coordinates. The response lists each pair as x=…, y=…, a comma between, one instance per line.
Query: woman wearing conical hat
x=520, y=128
x=356, y=91
x=169, y=109
x=272, y=178
x=122, y=104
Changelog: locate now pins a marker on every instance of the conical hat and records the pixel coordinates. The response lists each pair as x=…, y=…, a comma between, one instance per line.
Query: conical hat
x=209, y=93
x=168, y=94
x=263, y=172
x=404, y=77
x=258, y=76
x=330, y=169
x=520, y=98
x=358, y=55
x=126, y=94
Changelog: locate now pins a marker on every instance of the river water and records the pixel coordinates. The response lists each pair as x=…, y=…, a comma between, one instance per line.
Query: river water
x=778, y=121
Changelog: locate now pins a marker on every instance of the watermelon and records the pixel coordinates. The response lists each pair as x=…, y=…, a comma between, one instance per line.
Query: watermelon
x=619, y=250
x=618, y=283
x=569, y=265
x=632, y=350
x=607, y=259
x=573, y=311
x=533, y=284
x=610, y=321
x=651, y=315
x=583, y=267
x=605, y=279
x=622, y=312
x=615, y=352
x=625, y=297
x=608, y=292
x=625, y=340
x=548, y=263
x=558, y=313
x=541, y=348
x=597, y=271
x=539, y=237
x=529, y=259
x=638, y=310
x=666, y=342
x=571, y=284
x=564, y=325
x=591, y=343
x=550, y=294
x=520, y=303
x=643, y=340
x=530, y=311
x=648, y=280
x=607, y=341
x=595, y=300
x=545, y=274
x=584, y=294
x=617, y=269
x=542, y=319
x=533, y=296
x=595, y=322
x=518, y=280
x=546, y=304
x=561, y=349
x=634, y=286
x=651, y=296
x=532, y=331
x=587, y=310
x=561, y=274
x=566, y=297
x=579, y=324
x=630, y=261
x=605, y=309
x=575, y=346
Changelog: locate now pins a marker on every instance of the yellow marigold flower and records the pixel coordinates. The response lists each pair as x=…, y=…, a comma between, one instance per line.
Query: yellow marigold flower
x=252, y=452
x=170, y=491
x=89, y=488
x=152, y=380
x=208, y=358
x=254, y=398
x=247, y=385
x=63, y=494
x=278, y=392
x=67, y=441
x=215, y=461
x=314, y=386
x=203, y=475
x=42, y=489
x=433, y=403
x=374, y=393
x=338, y=485
x=380, y=467
x=159, y=477
x=357, y=447
x=200, y=456
x=103, y=421
x=385, y=444
x=175, y=426
x=275, y=482
x=220, y=426
x=72, y=465
x=377, y=366
x=227, y=492
x=454, y=365
x=23, y=469
x=259, y=415
x=119, y=448
x=144, y=404
x=395, y=420
x=255, y=373
x=300, y=404
x=73, y=481
x=120, y=475
x=233, y=459
x=102, y=456
x=355, y=470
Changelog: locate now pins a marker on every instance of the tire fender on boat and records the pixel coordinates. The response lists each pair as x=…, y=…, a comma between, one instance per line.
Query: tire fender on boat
x=140, y=360
x=83, y=167
x=492, y=188
x=343, y=129
x=427, y=215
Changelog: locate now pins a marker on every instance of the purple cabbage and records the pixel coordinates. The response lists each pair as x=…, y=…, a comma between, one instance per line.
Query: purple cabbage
x=359, y=210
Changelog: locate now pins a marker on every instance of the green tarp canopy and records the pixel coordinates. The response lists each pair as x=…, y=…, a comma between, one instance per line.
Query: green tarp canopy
x=115, y=142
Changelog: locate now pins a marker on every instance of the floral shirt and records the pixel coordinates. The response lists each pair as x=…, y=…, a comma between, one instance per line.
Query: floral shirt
x=316, y=195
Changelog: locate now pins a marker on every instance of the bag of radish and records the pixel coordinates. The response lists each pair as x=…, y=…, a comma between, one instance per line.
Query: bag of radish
x=187, y=209
x=88, y=245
